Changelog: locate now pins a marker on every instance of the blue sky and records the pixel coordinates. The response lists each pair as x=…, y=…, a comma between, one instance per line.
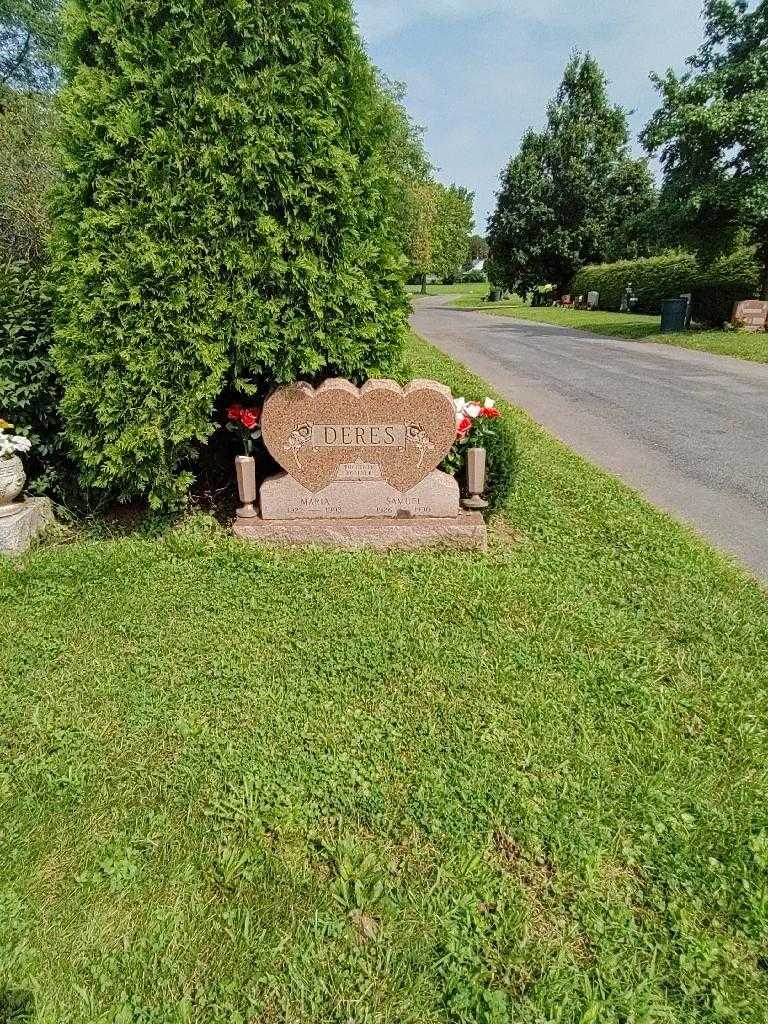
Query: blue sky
x=479, y=72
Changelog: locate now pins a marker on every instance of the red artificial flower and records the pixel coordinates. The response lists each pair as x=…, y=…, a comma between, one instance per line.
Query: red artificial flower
x=490, y=414
x=464, y=426
x=250, y=418
x=234, y=412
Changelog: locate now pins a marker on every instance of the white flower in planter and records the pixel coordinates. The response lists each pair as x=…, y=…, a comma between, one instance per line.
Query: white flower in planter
x=13, y=444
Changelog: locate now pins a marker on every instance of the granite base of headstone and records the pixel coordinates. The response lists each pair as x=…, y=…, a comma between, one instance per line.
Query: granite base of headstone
x=23, y=522
x=360, y=469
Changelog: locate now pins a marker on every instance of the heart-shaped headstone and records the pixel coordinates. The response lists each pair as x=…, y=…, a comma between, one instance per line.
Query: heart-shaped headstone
x=379, y=431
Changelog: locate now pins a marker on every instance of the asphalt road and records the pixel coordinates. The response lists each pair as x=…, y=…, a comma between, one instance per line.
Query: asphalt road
x=689, y=430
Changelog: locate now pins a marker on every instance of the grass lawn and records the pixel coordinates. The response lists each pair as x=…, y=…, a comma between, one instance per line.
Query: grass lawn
x=244, y=786
x=630, y=326
x=472, y=293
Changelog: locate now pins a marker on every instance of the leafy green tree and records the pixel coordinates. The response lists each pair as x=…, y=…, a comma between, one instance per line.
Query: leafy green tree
x=29, y=37
x=712, y=133
x=573, y=194
x=478, y=250
x=420, y=220
x=225, y=222
x=439, y=228
x=520, y=227
x=26, y=175
x=453, y=227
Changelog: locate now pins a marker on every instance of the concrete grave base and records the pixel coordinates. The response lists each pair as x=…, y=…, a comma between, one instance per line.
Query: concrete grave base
x=20, y=527
x=466, y=532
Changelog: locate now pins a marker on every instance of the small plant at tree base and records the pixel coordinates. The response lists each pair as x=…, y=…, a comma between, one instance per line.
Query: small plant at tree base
x=475, y=425
x=245, y=421
x=12, y=444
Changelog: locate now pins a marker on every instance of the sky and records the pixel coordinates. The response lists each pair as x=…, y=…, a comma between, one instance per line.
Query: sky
x=479, y=72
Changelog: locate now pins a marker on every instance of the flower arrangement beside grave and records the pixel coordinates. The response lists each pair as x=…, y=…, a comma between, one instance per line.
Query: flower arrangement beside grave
x=246, y=422
x=476, y=425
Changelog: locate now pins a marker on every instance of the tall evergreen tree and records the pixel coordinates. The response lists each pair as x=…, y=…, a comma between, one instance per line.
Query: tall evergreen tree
x=572, y=192
x=712, y=133
x=225, y=220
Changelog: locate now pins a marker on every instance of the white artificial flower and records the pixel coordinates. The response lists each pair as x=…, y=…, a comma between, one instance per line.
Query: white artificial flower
x=489, y=404
x=460, y=404
x=472, y=409
x=21, y=444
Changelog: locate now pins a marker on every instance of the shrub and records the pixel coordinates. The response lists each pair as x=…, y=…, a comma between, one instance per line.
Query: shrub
x=26, y=173
x=474, y=277
x=223, y=222
x=715, y=287
x=29, y=386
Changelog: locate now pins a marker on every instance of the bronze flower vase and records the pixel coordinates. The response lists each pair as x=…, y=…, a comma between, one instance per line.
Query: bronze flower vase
x=245, y=466
x=476, y=475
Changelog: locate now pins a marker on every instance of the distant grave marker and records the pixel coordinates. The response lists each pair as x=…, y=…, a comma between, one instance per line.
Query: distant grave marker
x=751, y=315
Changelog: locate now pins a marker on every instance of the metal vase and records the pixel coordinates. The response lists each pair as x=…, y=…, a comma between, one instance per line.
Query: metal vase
x=245, y=466
x=476, y=475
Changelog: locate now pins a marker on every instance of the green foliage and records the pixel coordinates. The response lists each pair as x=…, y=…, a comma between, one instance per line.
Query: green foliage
x=573, y=194
x=29, y=386
x=439, y=228
x=712, y=134
x=715, y=288
x=26, y=175
x=478, y=250
x=29, y=38
x=453, y=227
x=224, y=221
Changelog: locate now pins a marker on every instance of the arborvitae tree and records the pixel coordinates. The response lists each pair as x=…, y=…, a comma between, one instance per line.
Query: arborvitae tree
x=712, y=134
x=573, y=192
x=224, y=221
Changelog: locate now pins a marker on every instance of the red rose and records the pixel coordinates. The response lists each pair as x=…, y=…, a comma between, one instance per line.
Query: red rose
x=490, y=414
x=249, y=418
x=234, y=412
x=464, y=427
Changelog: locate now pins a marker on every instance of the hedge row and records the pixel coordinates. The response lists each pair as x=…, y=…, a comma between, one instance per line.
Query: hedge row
x=29, y=387
x=715, y=287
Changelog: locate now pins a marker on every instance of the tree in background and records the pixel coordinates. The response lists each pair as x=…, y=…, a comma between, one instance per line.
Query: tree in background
x=453, y=227
x=573, y=194
x=519, y=228
x=29, y=36
x=712, y=133
x=440, y=224
x=478, y=251
x=420, y=220
x=225, y=221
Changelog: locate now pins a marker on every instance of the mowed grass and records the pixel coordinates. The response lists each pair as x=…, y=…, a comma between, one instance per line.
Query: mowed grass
x=628, y=326
x=245, y=786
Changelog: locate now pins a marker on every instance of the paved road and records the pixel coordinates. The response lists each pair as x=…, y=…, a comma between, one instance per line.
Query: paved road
x=687, y=429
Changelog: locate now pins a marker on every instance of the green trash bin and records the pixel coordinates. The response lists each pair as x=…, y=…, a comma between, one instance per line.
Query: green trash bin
x=673, y=314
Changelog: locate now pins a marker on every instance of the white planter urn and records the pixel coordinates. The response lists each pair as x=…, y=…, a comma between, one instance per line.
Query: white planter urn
x=12, y=480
